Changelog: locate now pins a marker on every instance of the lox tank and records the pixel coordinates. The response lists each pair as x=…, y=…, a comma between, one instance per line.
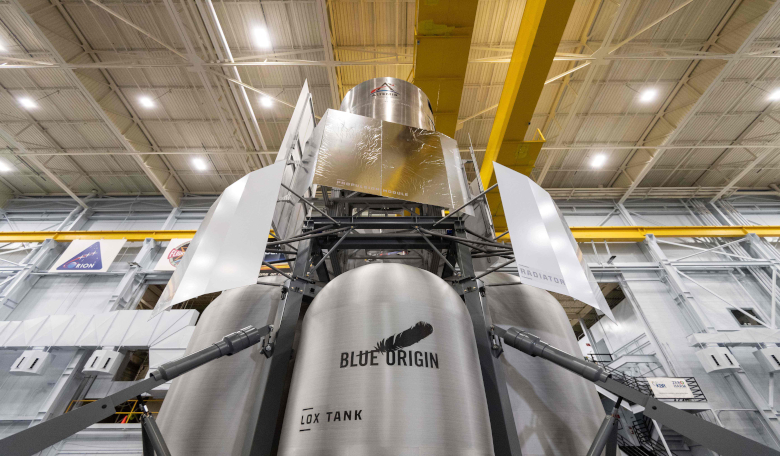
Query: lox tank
x=387, y=365
x=556, y=412
x=209, y=410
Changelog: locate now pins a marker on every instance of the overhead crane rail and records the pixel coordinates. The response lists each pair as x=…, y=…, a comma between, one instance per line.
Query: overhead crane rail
x=581, y=233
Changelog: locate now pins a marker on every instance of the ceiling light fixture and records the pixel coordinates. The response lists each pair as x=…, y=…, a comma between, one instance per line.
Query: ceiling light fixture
x=648, y=95
x=28, y=103
x=598, y=161
x=774, y=96
x=146, y=102
x=199, y=164
x=261, y=37
x=4, y=168
x=267, y=102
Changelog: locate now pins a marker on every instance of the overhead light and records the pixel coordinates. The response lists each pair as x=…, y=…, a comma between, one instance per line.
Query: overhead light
x=648, y=95
x=4, y=167
x=774, y=96
x=2, y=48
x=199, y=164
x=146, y=102
x=261, y=37
x=598, y=161
x=267, y=102
x=28, y=103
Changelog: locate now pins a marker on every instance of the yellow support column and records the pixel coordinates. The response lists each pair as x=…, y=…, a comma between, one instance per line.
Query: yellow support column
x=441, y=54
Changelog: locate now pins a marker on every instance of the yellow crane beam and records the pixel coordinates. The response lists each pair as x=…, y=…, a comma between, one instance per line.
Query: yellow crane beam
x=441, y=54
x=67, y=236
x=638, y=233
x=581, y=233
x=541, y=29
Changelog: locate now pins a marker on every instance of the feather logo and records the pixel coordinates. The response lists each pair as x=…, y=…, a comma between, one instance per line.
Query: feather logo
x=393, y=348
x=406, y=338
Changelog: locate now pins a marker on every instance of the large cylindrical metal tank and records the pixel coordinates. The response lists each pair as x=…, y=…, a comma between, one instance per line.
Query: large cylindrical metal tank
x=387, y=366
x=208, y=411
x=390, y=99
x=556, y=411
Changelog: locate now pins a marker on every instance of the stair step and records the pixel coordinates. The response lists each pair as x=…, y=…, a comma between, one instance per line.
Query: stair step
x=674, y=438
x=636, y=451
x=678, y=446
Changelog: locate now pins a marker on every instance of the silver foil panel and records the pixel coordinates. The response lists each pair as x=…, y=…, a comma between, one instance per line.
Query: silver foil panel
x=228, y=248
x=298, y=171
x=547, y=255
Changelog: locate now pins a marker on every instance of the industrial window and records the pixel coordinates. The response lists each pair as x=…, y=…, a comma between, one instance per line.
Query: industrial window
x=153, y=292
x=136, y=365
x=743, y=319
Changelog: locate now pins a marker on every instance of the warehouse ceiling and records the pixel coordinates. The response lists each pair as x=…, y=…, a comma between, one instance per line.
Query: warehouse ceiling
x=128, y=97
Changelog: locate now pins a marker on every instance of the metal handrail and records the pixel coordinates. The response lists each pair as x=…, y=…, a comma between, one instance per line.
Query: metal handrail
x=643, y=429
x=642, y=385
x=594, y=357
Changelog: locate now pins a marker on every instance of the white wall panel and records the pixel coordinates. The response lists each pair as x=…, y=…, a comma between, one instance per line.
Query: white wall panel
x=616, y=334
x=593, y=220
x=186, y=225
x=670, y=327
x=116, y=225
x=726, y=288
x=22, y=396
x=66, y=295
x=103, y=440
x=38, y=225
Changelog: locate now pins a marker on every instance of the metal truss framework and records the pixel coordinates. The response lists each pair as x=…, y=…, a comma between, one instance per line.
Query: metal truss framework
x=222, y=83
x=159, y=173
x=324, y=240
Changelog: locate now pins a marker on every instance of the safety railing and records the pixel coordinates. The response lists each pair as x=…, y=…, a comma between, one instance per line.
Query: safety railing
x=642, y=385
x=629, y=448
x=643, y=430
x=600, y=358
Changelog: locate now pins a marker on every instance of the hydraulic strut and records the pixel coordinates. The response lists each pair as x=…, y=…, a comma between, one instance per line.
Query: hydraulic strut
x=711, y=436
x=37, y=438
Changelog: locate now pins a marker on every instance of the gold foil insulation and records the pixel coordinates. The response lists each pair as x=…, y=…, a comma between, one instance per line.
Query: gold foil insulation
x=387, y=159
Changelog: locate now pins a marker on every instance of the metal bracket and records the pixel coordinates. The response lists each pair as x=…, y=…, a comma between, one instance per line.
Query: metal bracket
x=152, y=438
x=310, y=291
x=462, y=291
x=606, y=437
x=709, y=435
x=497, y=347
